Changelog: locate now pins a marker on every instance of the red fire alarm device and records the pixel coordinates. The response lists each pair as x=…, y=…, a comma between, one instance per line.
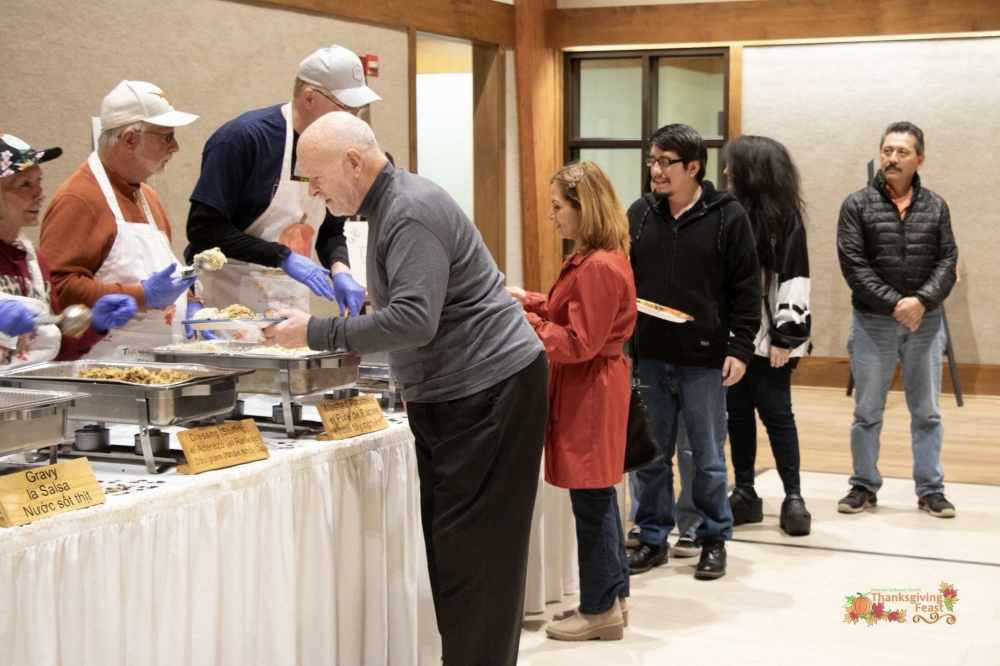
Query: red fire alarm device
x=371, y=65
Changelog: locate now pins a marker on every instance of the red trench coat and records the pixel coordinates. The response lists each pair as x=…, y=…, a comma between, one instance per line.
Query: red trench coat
x=583, y=323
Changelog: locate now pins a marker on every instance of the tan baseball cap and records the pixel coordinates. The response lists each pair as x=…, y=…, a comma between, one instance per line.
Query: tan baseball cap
x=132, y=101
x=338, y=70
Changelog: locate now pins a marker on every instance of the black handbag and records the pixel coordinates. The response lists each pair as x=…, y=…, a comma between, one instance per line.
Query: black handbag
x=640, y=445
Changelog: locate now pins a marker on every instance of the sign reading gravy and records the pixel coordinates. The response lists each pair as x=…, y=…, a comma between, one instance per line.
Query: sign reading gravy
x=219, y=446
x=41, y=492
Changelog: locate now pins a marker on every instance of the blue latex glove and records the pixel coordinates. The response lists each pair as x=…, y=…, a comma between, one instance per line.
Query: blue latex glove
x=194, y=306
x=112, y=311
x=349, y=294
x=15, y=318
x=162, y=289
x=308, y=273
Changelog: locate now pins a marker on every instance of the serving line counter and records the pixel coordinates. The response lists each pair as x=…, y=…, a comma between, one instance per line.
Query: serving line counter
x=312, y=556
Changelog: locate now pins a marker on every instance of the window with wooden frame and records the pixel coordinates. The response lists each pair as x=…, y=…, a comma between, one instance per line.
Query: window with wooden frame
x=615, y=100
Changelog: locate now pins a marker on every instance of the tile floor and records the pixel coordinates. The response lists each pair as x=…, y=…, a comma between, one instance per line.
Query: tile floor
x=782, y=598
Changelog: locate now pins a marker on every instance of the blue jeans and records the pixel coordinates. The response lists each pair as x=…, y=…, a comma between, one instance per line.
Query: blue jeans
x=687, y=518
x=600, y=547
x=669, y=391
x=768, y=391
x=874, y=345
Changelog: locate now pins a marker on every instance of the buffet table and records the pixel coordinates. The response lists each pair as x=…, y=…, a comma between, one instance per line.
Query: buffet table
x=312, y=556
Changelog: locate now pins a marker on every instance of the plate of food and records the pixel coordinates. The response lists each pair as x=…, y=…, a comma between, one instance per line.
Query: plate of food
x=232, y=317
x=662, y=311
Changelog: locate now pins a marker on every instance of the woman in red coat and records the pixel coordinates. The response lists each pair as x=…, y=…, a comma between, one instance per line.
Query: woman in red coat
x=583, y=322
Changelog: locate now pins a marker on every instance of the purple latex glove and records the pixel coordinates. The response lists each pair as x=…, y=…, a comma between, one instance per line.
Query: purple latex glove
x=163, y=289
x=193, y=307
x=308, y=273
x=112, y=311
x=15, y=318
x=349, y=294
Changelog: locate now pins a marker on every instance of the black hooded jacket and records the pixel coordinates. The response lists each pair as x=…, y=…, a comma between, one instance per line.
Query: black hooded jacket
x=705, y=264
x=886, y=258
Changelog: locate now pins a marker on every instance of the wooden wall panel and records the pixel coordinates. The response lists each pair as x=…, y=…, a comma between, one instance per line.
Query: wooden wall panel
x=975, y=378
x=539, y=107
x=767, y=20
x=478, y=20
x=735, y=91
x=489, y=132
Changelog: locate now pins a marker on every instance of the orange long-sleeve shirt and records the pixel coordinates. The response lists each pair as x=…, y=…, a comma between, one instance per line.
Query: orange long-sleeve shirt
x=79, y=230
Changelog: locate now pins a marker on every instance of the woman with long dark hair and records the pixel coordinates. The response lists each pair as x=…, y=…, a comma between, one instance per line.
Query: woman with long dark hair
x=761, y=174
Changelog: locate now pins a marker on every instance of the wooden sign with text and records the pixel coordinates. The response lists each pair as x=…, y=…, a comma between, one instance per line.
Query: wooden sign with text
x=41, y=492
x=352, y=417
x=219, y=446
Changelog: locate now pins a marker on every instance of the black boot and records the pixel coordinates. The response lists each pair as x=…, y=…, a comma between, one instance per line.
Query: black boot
x=795, y=519
x=713, y=561
x=746, y=506
x=645, y=557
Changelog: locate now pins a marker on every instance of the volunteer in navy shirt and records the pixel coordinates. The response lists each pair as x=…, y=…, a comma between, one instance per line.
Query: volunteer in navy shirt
x=249, y=204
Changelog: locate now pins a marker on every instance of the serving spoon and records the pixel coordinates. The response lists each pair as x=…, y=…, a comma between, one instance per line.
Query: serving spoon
x=73, y=321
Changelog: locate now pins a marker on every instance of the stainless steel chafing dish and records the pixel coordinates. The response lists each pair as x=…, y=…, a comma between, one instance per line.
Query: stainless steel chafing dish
x=210, y=392
x=33, y=419
x=279, y=374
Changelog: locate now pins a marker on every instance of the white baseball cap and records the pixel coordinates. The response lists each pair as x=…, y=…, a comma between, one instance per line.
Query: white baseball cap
x=338, y=70
x=132, y=101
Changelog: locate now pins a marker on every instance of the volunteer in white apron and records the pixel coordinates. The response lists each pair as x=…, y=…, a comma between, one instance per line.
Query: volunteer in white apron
x=258, y=287
x=242, y=195
x=23, y=298
x=140, y=251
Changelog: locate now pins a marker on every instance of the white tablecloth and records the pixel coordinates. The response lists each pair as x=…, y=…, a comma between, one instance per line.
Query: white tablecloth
x=314, y=556
x=552, y=563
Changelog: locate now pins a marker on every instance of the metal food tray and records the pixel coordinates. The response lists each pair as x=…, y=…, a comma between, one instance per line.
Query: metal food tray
x=33, y=419
x=69, y=371
x=314, y=373
x=211, y=392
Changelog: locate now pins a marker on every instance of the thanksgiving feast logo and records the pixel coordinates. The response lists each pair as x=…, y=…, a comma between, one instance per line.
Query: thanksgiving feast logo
x=870, y=608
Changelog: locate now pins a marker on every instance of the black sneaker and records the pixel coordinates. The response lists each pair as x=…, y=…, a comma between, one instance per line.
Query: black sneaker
x=645, y=557
x=936, y=505
x=632, y=538
x=746, y=506
x=857, y=500
x=686, y=547
x=713, y=561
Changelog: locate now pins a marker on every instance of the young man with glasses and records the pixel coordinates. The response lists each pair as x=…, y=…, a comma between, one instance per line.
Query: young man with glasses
x=251, y=205
x=106, y=231
x=692, y=250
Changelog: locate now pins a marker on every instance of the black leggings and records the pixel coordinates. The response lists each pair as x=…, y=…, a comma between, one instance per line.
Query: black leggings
x=769, y=391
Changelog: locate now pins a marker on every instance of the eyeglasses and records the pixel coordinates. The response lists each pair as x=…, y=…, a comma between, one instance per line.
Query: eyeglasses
x=165, y=137
x=350, y=109
x=664, y=162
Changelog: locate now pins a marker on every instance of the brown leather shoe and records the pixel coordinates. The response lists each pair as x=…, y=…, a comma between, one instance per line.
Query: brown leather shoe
x=607, y=626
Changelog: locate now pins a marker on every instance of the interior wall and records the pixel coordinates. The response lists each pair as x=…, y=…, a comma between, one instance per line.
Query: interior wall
x=215, y=58
x=830, y=103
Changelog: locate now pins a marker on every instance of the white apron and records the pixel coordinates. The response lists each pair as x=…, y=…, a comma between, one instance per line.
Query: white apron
x=292, y=220
x=44, y=343
x=139, y=251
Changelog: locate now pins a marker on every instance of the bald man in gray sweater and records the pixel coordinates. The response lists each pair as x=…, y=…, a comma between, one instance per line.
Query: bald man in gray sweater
x=474, y=378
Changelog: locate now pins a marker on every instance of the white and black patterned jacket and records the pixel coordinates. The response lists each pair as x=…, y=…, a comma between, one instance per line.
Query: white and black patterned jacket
x=785, y=311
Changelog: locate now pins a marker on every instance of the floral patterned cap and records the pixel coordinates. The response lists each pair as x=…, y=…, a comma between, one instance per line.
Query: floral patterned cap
x=16, y=155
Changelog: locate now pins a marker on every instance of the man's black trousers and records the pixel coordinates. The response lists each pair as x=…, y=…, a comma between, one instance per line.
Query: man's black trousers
x=478, y=459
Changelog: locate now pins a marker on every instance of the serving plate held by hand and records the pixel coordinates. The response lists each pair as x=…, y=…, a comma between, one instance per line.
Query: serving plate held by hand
x=224, y=324
x=662, y=311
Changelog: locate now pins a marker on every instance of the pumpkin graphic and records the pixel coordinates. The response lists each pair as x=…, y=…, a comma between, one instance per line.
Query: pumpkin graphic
x=861, y=605
x=298, y=237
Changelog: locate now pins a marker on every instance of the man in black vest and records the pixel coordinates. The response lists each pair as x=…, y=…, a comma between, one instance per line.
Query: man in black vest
x=898, y=255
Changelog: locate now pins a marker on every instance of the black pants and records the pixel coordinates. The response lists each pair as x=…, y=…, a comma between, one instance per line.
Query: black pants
x=769, y=391
x=478, y=459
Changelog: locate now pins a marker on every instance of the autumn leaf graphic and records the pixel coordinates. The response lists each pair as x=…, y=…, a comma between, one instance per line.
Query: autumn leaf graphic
x=879, y=610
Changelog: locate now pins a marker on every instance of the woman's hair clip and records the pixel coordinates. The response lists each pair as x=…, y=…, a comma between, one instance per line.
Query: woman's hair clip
x=577, y=178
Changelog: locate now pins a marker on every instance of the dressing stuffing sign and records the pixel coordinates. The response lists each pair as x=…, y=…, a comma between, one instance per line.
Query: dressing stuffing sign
x=352, y=417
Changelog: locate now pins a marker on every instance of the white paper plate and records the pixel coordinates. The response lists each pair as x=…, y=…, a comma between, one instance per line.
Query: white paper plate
x=226, y=324
x=646, y=307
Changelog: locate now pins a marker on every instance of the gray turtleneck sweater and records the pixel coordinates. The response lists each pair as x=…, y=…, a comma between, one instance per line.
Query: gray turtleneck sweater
x=441, y=310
